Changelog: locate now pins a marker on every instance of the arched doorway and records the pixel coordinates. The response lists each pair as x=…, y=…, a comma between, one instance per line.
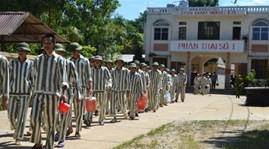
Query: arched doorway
x=209, y=64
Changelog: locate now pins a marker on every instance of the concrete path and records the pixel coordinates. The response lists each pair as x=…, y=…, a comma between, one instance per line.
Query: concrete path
x=196, y=107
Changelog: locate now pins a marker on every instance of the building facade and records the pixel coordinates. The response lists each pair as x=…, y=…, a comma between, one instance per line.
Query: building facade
x=189, y=37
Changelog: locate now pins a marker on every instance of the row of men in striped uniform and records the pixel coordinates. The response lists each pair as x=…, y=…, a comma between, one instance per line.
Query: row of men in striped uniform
x=50, y=77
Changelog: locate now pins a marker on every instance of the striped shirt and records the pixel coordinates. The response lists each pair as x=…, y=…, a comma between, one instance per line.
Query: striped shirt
x=72, y=77
x=49, y=74
x=83, y=69
x=165, y=79
x=120, y=81
x=20, y=76
x=101, y=79
x=182, y=79
x=155, y=79
x=143, y=77
x=4, y=76
x=174, y=80
x=135, y=83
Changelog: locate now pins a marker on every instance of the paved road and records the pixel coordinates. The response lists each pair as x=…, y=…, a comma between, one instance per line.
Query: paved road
x=196, y=107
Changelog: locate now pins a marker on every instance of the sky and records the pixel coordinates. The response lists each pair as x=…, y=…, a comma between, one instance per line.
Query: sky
x=130, y=9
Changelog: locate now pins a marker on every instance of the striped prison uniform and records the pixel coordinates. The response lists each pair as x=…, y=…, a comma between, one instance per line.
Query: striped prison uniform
x=156, y=85
x=173, y=87
x=83, y=69
x=4, y=76
x=49, y=76
x=136, y=90
x=145, y=80
x=20, y=88
x=165, y=86
x=181, y=84
x=108, y=94
x=73, y=90
x=147, y=86
x=120, y=84
x=101, y=80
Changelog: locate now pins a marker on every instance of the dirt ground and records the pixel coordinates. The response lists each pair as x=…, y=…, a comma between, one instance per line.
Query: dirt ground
x=200, y=135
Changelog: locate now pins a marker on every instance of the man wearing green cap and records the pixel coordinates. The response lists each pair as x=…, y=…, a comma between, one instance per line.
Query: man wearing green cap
x=181, y=84
x=101, y=81
x=20, y=87
x=73, y=90
x=85, y=78
x=120, y=88
x=49, y=85
x=173, y=88
x=146, y=81
x=155, y=76
x=109, y=66
x=136, y=90
x=165, y=84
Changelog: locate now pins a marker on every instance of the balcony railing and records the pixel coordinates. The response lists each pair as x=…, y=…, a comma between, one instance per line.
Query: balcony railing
x=170, y=10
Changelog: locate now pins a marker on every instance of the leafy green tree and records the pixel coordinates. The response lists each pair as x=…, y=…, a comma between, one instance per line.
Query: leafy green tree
x=201, y=3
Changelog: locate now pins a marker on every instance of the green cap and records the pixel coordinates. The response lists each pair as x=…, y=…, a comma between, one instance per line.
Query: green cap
x=155, y=64
x=143, y=64
x=182, y=69
x=173, y=70
x=108, y=61
x=75, y=47
x=23, y=46
x=119, y=59
x=132, y=65
x=162, y=65
x=59, y=48
x=98, y=57
x=136, y=62
x=167, y=69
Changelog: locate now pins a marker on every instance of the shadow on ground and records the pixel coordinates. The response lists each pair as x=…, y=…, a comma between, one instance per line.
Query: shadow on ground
x=255, y=139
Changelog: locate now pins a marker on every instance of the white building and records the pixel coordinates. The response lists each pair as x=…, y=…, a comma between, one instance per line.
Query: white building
x=190, y=36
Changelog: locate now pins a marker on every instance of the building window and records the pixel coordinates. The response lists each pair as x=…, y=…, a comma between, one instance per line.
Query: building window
x=182, y=23
x=260, y=66
x=208, y=30
x=260, y=30
x=161, y=29
x=160, y=33
x=182, y=31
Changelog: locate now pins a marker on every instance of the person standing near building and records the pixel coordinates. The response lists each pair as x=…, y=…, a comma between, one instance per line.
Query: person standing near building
x=4, y=81
x=173, y=87
x=65, y=123
x=101, y=82
x=155, y=89
x=165, y=84
x=83, y=69
x=214, y=79
x=136, y=90
x=120, y=89
x=181, y=83
x=20, y=88
x=197, y=84
x=49, y=83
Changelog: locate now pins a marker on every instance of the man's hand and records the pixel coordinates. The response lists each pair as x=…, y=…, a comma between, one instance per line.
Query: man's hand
x=128, y=93
x=4, y=103
x=64, y=98
x=161, y=91
x=89, y=92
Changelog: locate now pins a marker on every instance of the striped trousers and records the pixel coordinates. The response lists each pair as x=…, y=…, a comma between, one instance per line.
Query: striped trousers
x=79, y=110
x=65, y=119
x=102, y=102
x=45, y=106
x=172, y=92
x=17, y=112
x=132, y=103
x=108, y=95
x=120, y=97
x=153, y=98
